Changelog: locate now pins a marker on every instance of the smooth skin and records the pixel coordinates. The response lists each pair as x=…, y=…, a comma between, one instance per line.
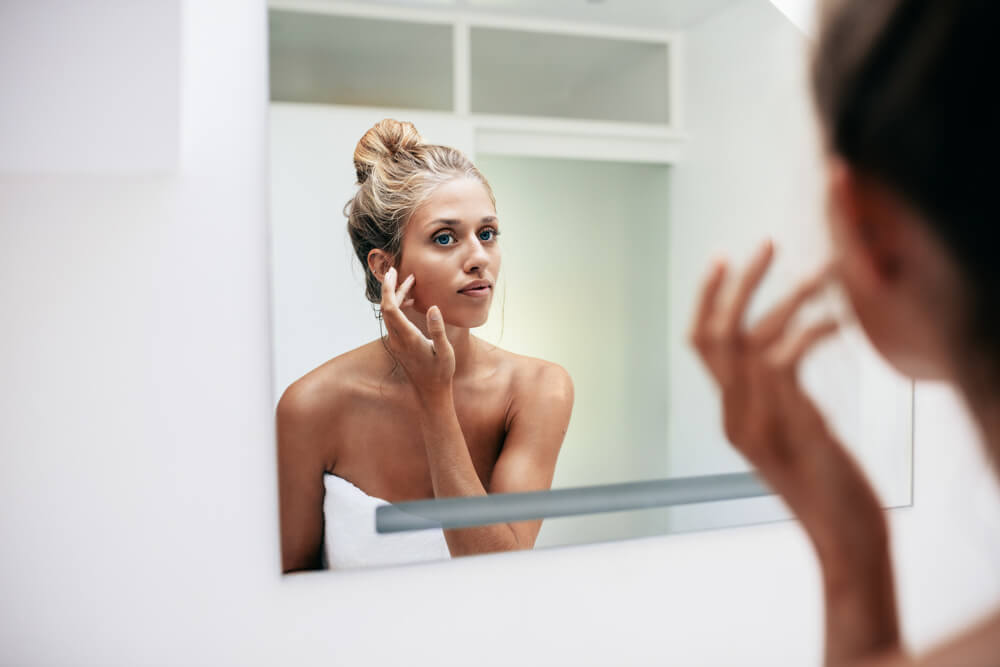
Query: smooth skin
x=908, y=296
x=430, y=411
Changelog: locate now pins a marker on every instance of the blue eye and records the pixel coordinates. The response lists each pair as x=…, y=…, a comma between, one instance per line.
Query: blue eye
x=488, y=235
x=437, y=239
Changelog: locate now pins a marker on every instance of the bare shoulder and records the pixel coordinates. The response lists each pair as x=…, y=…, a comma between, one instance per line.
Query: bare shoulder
x=540, y=395
x=313, y=403
x=538, y=380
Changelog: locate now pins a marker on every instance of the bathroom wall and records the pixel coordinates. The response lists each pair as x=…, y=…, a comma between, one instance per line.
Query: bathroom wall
x=584, y=246
x=137, y=490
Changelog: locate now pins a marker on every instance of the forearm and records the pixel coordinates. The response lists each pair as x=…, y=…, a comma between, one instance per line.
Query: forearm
x=860, y=600
x=453, y=475
x=841, y=514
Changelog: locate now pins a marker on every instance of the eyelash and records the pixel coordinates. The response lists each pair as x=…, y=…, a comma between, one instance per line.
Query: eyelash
x=496, y=233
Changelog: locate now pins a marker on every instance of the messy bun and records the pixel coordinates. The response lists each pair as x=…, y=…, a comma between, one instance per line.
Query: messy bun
x=383, y=142
x=396, y=172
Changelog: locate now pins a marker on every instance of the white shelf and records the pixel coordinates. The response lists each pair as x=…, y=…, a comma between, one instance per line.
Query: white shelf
x=533, y=73
x=518, y=86
x=348, y=60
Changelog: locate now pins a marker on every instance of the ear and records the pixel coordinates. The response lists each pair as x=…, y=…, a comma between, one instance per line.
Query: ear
x=867, y=222
x=379, y=263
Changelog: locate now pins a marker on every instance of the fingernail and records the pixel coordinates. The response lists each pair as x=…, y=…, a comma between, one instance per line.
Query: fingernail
x=435, y=314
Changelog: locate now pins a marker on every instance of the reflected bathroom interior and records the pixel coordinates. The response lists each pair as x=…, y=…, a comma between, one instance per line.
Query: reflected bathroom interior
x=622, y=160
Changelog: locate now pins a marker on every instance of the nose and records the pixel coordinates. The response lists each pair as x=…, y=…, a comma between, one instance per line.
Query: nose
x=477, y=258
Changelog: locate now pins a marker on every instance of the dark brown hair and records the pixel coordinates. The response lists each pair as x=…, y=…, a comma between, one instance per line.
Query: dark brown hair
x=904, y=90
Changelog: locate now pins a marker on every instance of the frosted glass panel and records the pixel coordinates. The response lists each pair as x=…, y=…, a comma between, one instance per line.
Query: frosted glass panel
x=568, y=76
x=330, y=59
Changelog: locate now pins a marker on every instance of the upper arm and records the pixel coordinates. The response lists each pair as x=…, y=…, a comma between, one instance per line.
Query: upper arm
x=302, y=431
x=540, y=413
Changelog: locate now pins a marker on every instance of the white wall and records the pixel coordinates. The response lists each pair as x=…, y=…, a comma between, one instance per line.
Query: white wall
x=67, y=119
x=584, y=244
x=138, y=502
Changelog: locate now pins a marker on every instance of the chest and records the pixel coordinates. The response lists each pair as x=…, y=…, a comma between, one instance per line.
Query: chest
x=381, y=447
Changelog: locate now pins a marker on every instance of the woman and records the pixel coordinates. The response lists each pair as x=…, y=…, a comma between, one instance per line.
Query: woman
x=428, y=411
x=911, y=135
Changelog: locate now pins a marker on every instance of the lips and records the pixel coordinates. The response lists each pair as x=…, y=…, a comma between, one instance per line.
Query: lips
x=477, y=288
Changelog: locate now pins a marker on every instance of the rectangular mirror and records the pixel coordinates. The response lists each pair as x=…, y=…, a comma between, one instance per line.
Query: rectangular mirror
x=608, y=221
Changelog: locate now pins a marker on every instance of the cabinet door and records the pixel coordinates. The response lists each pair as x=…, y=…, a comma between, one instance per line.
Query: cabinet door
x=318, y=302
x=530, y=73
x=332, y=59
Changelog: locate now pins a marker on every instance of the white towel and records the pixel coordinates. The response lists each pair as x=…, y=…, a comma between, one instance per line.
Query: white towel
x=351, y=540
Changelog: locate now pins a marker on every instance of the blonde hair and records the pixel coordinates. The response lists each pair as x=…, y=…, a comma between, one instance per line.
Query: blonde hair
x=397, y=171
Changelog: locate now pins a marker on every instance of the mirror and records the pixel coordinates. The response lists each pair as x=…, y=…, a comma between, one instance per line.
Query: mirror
x=622, y=159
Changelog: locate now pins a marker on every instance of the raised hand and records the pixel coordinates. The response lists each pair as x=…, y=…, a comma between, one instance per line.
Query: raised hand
x=428, y=362
x=771, y=421
x=766, y=414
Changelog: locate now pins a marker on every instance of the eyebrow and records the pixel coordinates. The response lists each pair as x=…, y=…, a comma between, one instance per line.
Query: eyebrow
x=458, y=223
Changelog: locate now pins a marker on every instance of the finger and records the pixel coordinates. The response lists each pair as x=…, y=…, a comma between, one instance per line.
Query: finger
x=401, y=329
x=407, y=303
x=435, y=326
x=396, y=322
x=773, y=325
x=706, y=301
x=404, y=288
x=744, y=290
x=388, y=287
x=792, y=351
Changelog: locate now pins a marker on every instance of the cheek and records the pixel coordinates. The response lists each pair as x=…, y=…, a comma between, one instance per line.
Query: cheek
x=893, y=330
x=428, y=286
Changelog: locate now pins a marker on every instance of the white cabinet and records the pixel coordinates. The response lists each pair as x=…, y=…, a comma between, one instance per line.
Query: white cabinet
x=526, y=87
x=349, y=60
x=586, y=77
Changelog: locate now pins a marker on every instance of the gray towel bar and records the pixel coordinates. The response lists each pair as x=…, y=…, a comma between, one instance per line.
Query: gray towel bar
x=463, y=512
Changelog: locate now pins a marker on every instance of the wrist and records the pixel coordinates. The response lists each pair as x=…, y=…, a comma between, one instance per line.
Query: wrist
x=855, y=540
x=837, y=506
x=437, y=397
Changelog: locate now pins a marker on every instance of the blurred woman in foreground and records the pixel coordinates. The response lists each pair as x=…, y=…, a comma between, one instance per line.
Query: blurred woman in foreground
x=910, y=124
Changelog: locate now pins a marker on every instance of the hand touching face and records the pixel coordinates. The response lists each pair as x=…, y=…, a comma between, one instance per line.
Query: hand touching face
x=428, y=362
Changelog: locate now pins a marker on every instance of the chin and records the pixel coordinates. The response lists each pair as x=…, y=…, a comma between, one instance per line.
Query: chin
x=914, y=364
x=466, y=319
x=903, y=346
x=917, y=369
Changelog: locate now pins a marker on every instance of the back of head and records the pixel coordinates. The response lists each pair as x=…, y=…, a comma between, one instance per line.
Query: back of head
x=904, y=91
x=396, y=170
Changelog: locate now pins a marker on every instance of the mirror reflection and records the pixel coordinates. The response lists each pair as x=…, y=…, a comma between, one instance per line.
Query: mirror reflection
x=553, y=192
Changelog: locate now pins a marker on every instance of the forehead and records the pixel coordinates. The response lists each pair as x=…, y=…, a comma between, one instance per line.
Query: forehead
x=464, y=199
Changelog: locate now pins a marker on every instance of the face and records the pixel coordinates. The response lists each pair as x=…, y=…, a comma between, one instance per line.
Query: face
x=901, y=282
x=450, y=246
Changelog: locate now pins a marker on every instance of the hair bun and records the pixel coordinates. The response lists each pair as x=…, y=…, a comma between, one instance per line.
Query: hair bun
x=386, y=139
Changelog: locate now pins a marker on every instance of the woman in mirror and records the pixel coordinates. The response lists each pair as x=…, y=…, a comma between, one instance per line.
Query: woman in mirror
x=911, y=133
x=428, y=410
